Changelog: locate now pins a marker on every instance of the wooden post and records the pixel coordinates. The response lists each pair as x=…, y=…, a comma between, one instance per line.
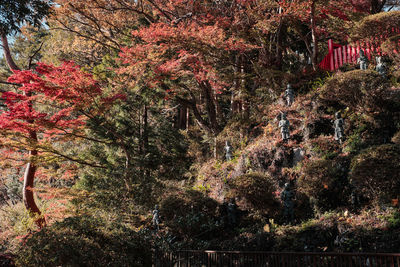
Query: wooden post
x=336, y=59
x=357, y=49
x=339, y=53
x=331, y=59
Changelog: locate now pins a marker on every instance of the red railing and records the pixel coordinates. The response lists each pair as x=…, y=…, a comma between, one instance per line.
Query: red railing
x=208, y=258
x=339, y=55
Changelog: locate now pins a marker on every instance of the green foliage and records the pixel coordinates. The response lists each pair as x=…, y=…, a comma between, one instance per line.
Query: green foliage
x=394, y=220
x=324, y=147
x=257, y=189
x=375, y=172
x=28, y=47
x=318, y=82
x=15, y=13
x=85, y=241
x=190, y=214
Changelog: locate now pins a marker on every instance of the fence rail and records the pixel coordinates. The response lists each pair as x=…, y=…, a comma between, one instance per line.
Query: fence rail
x=208, y=258
x=339, y=55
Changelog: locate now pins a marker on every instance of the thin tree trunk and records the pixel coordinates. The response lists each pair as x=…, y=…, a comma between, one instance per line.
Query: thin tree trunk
x=314, y=56
x=235, y=97
x=145, y=138
x=7, y=53
x=377, y=5
x=279, y=42
x=30, y=170
x=127, y=177
x=211, y=107
x=27, y=190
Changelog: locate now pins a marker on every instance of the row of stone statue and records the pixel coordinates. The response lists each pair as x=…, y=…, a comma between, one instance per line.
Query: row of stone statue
x=284, y=125
x=338, y=125
x=286, y=195
x=381, y=66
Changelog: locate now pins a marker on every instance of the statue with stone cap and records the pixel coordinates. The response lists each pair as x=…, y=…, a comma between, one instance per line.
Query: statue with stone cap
x=363, y=60
x=289, y=95
x=228, y=151
x=381, y=66
x=156, y=218
x=287, y=196
x=284, y=124
x=338, y=125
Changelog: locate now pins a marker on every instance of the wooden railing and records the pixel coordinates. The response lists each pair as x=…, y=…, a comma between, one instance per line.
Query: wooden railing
x=208, y=258
x=338, y=55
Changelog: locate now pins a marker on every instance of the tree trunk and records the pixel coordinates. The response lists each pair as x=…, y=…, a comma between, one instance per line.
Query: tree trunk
x=182, y=117
x=211, y=107
x=127, y=177
x=30, y=170
x=7, y=53
x=377, y=5
x=27, y=190
x=279, y=42
x=314, y=56
x=145, y=140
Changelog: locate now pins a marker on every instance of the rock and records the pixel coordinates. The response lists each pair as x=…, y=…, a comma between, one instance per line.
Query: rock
x=298, y=155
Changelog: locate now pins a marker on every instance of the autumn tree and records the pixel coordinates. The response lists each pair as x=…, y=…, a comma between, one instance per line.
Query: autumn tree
x=15, y=14
x=46, y=109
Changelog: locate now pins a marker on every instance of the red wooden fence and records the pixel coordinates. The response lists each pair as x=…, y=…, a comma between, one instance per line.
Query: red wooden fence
x=339, y=55
x=193, y=258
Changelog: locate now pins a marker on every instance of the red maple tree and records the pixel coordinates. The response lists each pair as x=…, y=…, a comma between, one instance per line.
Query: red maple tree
x=48, y=107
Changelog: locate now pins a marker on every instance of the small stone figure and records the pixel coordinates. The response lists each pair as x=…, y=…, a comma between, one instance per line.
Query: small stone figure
x=289, y=95
x=338, y=124
x=363, y=61
x=231, y=210
x=284, y=125
x=228, y=151
x=381, y=66
x=156, y=218
x=287, y=198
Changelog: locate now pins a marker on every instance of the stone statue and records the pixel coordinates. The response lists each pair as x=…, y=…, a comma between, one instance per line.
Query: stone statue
x=231, y=210
x=289, y=95
x=287, y=196
x=381, y=66
x=156, y=218
x=228, y=151
x=284, y=125
x=338, y=124
x=363, y=60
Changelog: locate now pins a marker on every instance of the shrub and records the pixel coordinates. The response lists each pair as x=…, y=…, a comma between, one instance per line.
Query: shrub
x=189, y=213
x=84, y=241
x=375, y=172
x=325, y=147
x=324, y=182
x=257, y=190
x=376, y=25
x=360, y=90
x=396, y=138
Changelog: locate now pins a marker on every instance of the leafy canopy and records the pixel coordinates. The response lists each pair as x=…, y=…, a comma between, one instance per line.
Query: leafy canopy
x=14, y=13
